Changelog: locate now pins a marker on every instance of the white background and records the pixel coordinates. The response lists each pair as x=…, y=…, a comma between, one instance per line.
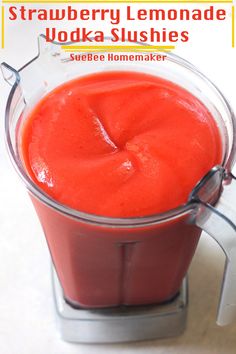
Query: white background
x=27, y=323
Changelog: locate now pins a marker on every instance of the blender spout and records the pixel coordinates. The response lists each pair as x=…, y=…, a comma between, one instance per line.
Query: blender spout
x=40, y=74
x=10, y=75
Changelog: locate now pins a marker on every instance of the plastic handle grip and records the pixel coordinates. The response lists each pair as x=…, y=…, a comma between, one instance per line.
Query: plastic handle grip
x=220, y=223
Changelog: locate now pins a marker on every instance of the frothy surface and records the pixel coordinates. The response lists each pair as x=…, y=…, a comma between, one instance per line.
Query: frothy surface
x=119, y=144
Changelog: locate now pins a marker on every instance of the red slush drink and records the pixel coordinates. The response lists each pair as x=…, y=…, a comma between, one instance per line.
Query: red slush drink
x=120, y=145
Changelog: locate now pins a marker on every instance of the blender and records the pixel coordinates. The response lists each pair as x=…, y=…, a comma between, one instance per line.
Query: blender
x=113, y=278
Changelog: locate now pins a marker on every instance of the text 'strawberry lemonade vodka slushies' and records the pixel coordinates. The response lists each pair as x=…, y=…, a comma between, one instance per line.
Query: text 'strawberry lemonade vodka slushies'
x=119, y=144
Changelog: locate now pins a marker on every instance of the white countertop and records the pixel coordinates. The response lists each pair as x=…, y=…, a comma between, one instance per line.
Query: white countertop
x=27, y=322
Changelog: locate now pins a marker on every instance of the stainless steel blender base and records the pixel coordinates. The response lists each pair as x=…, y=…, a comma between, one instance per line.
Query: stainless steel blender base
x=121, y=324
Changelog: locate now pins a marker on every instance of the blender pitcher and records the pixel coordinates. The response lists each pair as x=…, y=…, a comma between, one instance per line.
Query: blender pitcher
x=105, y=262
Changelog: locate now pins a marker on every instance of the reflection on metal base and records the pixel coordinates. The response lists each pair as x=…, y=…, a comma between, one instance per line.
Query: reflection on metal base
x=121, y=324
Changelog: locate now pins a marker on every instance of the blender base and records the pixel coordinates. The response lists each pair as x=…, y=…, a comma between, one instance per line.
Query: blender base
x=120, y=324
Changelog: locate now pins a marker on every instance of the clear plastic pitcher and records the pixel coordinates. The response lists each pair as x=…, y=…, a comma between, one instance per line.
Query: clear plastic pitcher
x=104, y=261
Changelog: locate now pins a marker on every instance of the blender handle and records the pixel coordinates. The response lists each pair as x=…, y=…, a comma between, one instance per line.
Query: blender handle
x=220, y=223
